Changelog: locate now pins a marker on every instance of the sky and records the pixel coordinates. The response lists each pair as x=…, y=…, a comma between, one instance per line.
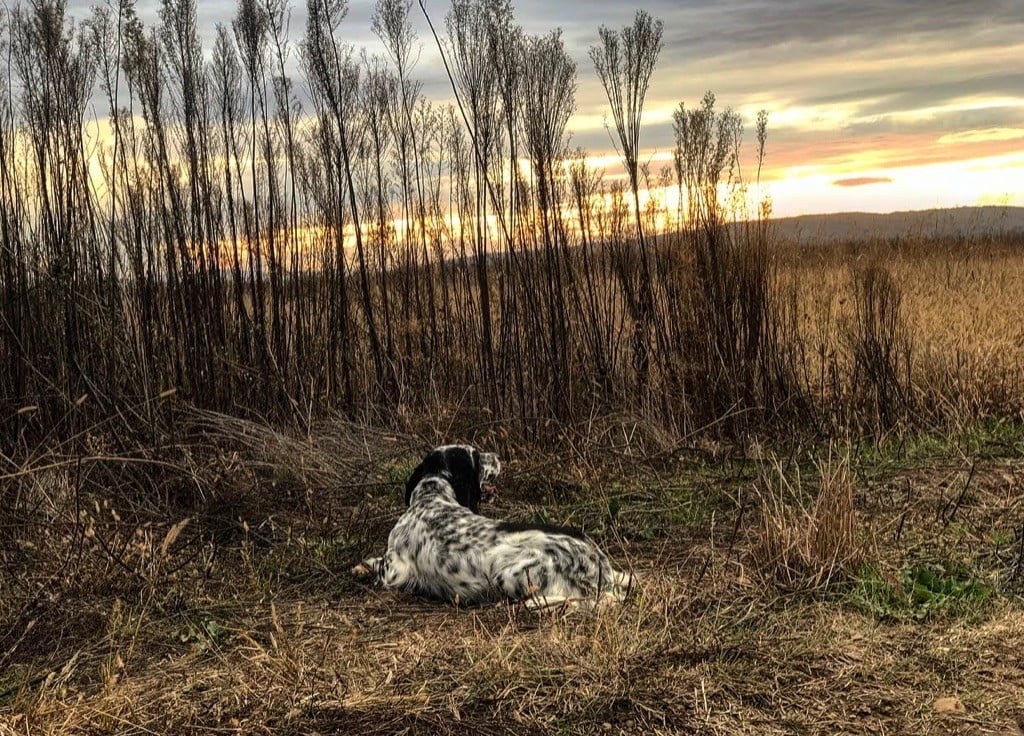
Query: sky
x=872, y=106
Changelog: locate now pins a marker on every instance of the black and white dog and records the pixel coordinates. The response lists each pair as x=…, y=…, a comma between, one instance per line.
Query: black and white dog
x=442, y=548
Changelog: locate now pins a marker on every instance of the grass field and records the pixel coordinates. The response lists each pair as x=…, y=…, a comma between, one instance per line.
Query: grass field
x=170, y=569
x=962, y=321
x=890, y=605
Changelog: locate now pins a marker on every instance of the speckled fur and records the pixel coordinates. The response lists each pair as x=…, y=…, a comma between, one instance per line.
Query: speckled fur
x=442, y=549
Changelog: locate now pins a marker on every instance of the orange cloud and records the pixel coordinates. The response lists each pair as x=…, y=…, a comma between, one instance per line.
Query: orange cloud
x=859, y=181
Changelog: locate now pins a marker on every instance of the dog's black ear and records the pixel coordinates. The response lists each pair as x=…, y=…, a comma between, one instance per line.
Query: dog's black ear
x=414, y=479
x=432, y=464
x=464, y=468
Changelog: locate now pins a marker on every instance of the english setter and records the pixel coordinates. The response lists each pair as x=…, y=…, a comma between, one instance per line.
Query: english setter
x=441, y=548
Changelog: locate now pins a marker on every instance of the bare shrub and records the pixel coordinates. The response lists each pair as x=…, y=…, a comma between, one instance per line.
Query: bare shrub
x=880, y=346
x=624, y=62
x=733, y=320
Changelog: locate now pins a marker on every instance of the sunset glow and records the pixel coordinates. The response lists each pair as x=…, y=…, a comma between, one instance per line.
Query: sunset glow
x=881, y=107
x=891, y=106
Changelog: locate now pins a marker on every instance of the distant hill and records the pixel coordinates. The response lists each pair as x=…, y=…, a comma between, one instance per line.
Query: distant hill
x=847, y=226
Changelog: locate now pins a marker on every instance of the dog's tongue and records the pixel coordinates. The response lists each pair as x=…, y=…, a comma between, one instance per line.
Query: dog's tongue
x=489, y=492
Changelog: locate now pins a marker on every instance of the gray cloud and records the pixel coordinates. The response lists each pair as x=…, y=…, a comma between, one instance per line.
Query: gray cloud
x=876, y=57
x=891, y=98
x=742, y=25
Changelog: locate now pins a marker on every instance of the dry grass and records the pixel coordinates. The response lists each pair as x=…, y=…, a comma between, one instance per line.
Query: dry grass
x=961, y=311
x=177, y=570
x=810, y=543
x=171, y=569
x=243, y=620
x=673, y=663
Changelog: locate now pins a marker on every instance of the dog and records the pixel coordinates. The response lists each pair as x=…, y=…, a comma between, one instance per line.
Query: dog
x=442, y=548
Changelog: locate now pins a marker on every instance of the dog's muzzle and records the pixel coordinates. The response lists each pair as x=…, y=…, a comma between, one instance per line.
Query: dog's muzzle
x=490, y=468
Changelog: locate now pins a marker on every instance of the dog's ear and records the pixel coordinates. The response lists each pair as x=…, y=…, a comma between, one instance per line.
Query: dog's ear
x=433, y=463
x=464, y=468
x=414, y=479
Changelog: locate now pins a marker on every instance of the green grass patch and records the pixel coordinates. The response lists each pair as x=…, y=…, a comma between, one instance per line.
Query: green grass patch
x=920, y=593
x=988, y=439
x=311, y=562
x=202, y=632
x=640, y=510
x=12, y=680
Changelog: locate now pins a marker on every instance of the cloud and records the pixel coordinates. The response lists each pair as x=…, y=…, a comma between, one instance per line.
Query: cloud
x=860, y=181
x=978, y=136
x=849, y=87
x=838, y=24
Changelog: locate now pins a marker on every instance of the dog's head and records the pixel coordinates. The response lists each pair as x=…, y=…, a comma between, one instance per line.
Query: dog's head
x=469, y=472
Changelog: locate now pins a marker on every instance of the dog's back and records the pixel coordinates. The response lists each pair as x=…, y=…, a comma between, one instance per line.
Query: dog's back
x=437, y=548
x=551, y=565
